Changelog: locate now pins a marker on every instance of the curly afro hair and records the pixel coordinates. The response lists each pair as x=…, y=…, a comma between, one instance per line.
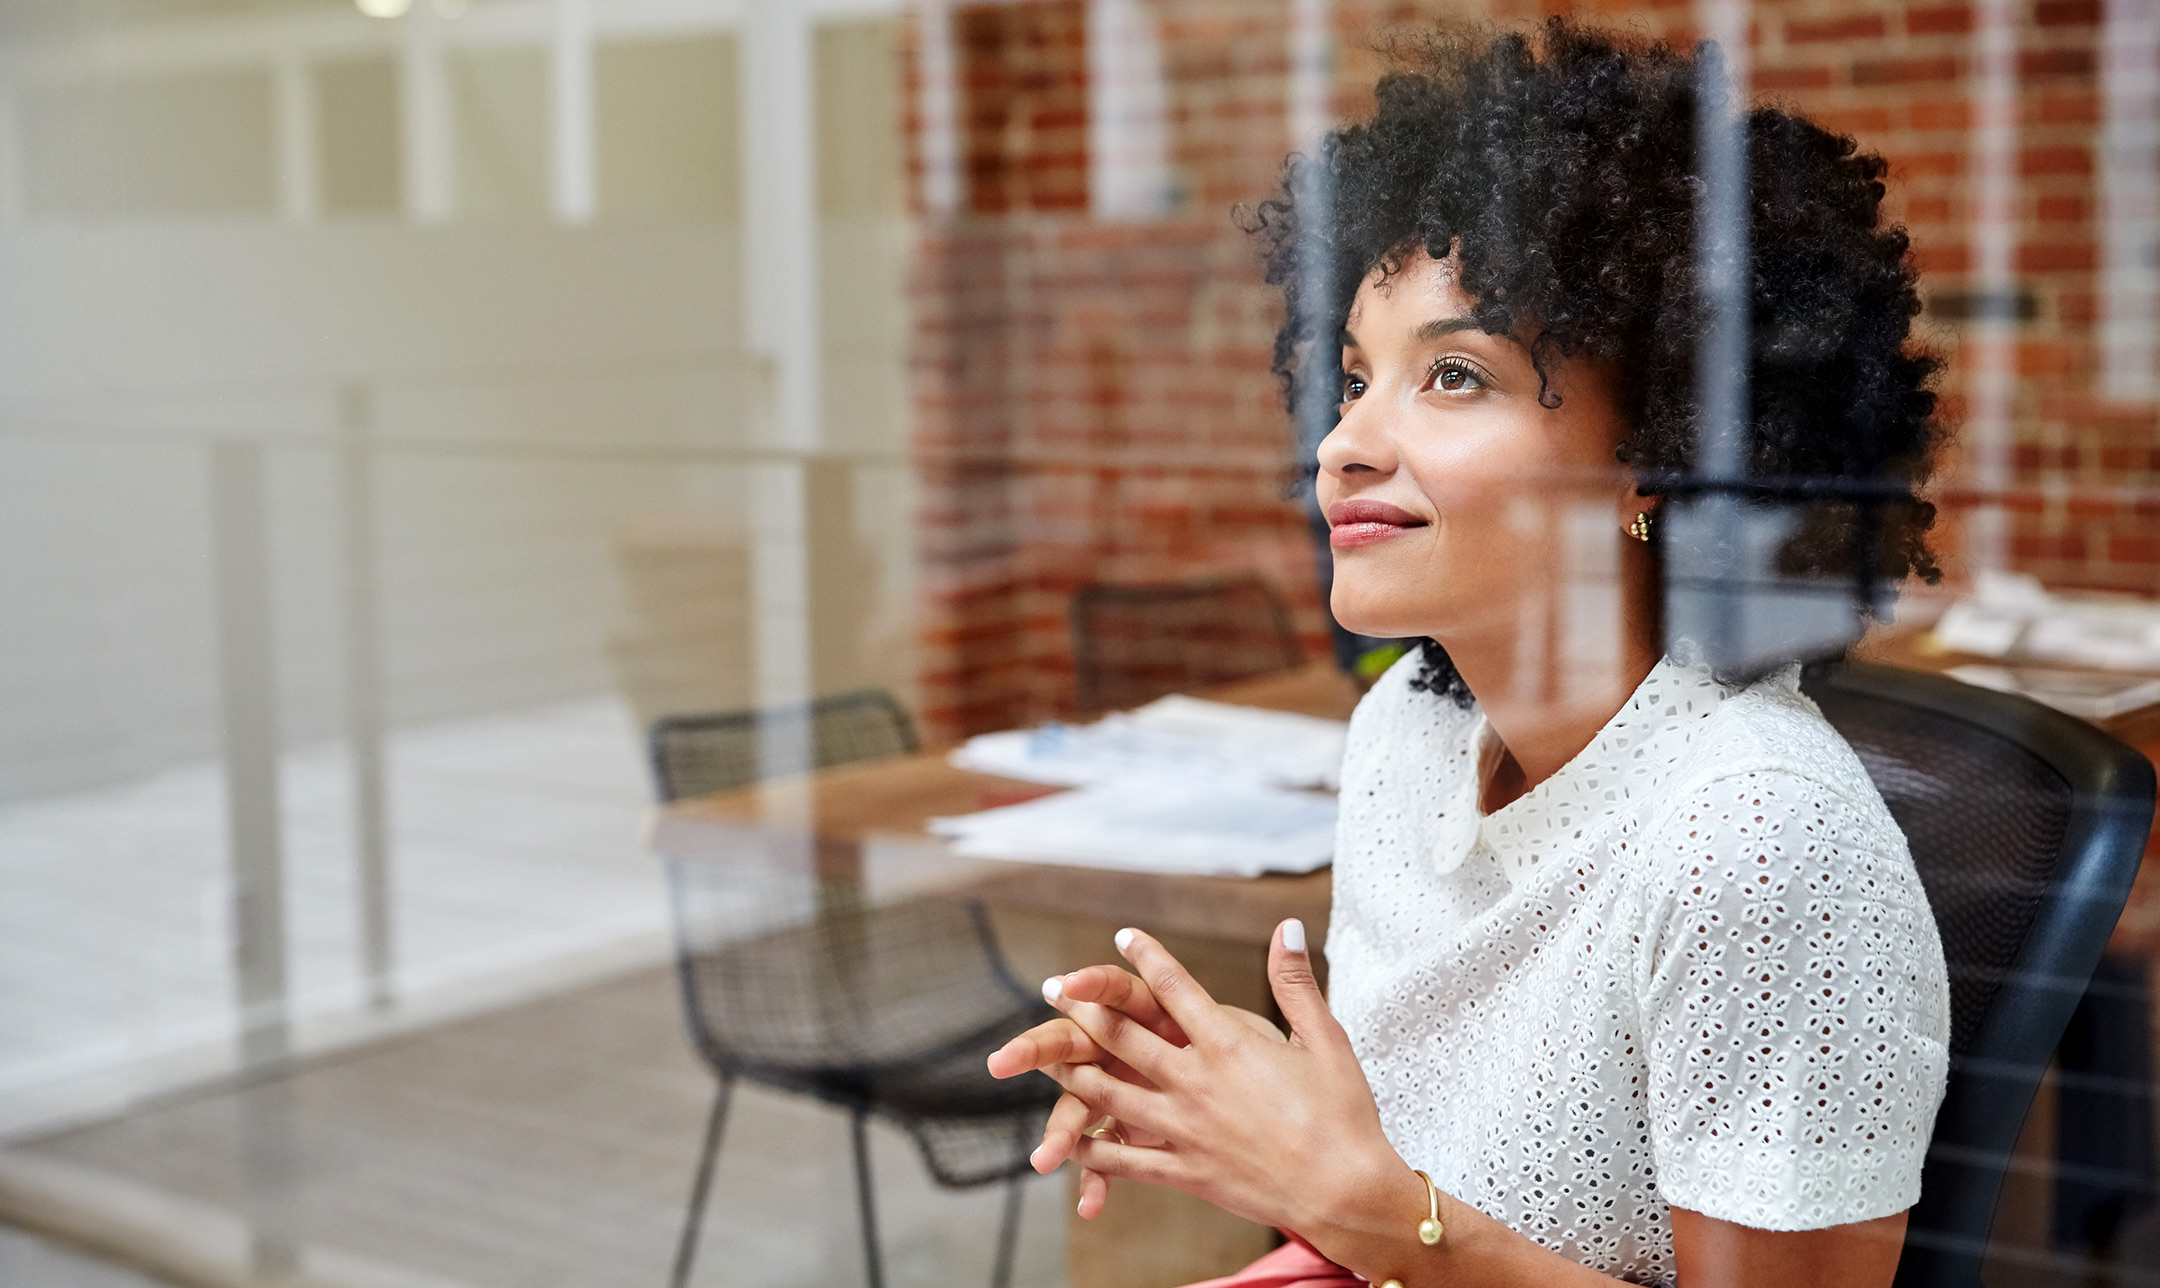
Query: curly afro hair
x=1559, y=165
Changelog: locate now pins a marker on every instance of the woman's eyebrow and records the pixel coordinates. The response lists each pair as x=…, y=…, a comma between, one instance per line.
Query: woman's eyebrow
x=1428, y=332
x=1438, y=327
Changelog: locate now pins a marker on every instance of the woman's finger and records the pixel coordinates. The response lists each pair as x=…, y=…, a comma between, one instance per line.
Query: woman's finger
x=1108, y=1095
x=1067, y=1118
x=1173, y=986
x=1297, y=990
x=1125, y=1039
x=1058, y=1041
x=1132, y=1163
x=1141, y=1136
x=1094, y=1192
x=1121, y=990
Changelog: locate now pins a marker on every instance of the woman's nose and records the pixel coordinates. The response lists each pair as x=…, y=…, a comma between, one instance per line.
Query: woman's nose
x=1359, y=442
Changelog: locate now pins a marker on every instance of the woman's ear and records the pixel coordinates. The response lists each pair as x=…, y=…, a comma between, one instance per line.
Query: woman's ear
x=1629, y=499
x=1637, y=512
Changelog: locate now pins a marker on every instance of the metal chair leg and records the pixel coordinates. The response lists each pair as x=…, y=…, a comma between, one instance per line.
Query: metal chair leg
x=1008, y=1236
x=701, y=1188
x=872, y=1259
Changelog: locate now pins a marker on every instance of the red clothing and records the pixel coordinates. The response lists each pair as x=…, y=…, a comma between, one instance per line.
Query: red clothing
x=1293, y=1265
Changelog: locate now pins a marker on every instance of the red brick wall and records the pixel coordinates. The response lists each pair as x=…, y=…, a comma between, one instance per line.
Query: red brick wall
x=1093, y=401
x=1094, y=405
x=1023, y=92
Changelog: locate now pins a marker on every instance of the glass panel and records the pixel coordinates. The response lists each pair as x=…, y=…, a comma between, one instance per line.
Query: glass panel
x=568, y=556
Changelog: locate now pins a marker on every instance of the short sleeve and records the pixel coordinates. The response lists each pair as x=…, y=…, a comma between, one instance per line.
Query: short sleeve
x=1795, y=1006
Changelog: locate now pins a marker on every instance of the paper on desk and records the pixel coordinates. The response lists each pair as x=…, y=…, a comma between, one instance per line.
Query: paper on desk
x=1177, y=735
x=1189, y=825
x=2122, y=636
x=2077, y=693
x=2010, y=615
x=1980, y=629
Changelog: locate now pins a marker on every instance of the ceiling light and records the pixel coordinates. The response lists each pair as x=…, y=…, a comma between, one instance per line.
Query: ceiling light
x=383, y=8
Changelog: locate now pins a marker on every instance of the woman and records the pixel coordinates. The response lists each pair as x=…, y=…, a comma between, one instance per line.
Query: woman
x=1631, y=973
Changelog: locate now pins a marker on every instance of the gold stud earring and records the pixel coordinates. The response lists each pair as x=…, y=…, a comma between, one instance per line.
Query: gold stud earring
x=1640, y=529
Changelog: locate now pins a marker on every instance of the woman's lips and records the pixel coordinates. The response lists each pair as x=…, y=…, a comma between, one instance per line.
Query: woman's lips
x=1352, y=524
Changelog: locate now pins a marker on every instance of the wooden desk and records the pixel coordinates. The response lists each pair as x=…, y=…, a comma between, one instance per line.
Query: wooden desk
x=1054, y=919
x=854, y=804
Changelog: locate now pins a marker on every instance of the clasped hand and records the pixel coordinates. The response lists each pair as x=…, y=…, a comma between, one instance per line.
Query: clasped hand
x=1210, y=1099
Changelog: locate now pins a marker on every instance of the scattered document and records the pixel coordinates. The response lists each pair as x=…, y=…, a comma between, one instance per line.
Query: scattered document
x=1173, y=735
x=1188, y=825
x=2079, y=693
x=1980, y=629
x=1181, y=786
x=2112, y=635
x=2012, y=616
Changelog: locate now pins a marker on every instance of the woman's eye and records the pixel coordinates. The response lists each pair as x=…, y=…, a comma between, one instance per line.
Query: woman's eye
x=1455, y=377
x=1353, y=388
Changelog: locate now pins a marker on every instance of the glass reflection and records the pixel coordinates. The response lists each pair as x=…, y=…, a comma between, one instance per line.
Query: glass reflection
x=406, y=408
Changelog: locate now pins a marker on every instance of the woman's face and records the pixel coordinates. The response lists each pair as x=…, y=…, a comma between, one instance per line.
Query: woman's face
x=1459, y=504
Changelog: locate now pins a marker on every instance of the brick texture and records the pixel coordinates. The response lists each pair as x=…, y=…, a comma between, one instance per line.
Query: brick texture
x=1023, y=93
x=1092, y=399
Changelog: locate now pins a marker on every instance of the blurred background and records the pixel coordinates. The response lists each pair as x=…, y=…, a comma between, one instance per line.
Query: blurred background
x=403, y=405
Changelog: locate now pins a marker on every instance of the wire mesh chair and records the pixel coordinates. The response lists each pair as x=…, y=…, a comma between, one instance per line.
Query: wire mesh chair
x=799, y=983
x=2027, y=827
x=1132, y=644
x=699, y=754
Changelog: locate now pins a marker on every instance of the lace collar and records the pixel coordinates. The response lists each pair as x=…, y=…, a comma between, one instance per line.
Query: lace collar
x=1624, y=762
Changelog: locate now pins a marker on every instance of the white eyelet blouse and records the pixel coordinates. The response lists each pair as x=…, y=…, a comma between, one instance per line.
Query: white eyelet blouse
x=1694, y=968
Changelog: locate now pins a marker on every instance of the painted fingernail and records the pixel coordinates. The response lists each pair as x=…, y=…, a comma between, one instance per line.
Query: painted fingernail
x=1053, y=989
x=1293, y=935
x=1123, y=939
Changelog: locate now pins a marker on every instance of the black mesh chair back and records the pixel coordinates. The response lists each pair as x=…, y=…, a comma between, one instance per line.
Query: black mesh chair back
x=1133, y=644
x=2026, y=827
x=888, y=1010
x=798, y=981
x=699, y=754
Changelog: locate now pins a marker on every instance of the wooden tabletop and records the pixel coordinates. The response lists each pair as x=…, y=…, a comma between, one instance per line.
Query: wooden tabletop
x=851, y=809
x=854, y=808
x=1916, y=650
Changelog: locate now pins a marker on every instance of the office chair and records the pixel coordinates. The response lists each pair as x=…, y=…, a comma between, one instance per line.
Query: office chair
x=700, y=754
x=890, y=1010
x=1132, y=644
x=2027, y=827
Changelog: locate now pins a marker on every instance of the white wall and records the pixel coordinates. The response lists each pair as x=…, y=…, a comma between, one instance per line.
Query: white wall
x=531, y=387
x=520, y=378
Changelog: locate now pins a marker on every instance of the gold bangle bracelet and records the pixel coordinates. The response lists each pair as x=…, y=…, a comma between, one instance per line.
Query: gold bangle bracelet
x=1429, y=1230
